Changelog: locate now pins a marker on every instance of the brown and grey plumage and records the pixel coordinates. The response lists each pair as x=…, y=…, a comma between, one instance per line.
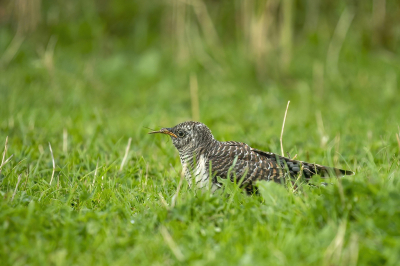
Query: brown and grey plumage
x=199, y=151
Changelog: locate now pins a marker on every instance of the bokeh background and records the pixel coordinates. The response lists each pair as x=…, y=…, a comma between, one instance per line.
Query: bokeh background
x=136, y=59
x=112, y=68
x=90, y=77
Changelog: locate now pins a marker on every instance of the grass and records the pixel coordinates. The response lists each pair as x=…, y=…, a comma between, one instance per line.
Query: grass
x=117, y=196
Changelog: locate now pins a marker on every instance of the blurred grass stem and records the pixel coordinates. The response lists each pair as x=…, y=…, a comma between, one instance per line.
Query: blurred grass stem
x=54, y=164
x=16, y=187
x=126, y=154
x=283, y=126
x=194, y=96
x=339, y=35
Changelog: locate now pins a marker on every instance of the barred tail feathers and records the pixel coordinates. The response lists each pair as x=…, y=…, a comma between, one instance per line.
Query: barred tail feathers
x=309, y=169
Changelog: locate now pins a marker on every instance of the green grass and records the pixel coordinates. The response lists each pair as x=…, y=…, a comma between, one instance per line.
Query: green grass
x=88, y=104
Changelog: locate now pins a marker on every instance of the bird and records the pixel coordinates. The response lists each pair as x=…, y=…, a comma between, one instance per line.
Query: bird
x=204, y=158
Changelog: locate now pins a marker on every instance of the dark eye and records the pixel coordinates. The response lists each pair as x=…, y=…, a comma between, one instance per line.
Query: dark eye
x=181, y=133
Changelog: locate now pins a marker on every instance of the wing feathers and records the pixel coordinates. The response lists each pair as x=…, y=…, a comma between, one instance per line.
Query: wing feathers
x=309, y=169
x=261, y=165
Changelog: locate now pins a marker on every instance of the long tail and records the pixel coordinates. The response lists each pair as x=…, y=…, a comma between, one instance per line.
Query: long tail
x=308, y=169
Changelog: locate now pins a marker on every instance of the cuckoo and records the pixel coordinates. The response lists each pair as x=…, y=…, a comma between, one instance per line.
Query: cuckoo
x=204, y=158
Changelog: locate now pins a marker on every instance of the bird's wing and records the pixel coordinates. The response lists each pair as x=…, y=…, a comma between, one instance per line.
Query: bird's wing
x=232, y=158
x=299, y=167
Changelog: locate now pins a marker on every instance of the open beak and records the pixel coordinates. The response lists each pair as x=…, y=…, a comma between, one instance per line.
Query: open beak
x=164, y=131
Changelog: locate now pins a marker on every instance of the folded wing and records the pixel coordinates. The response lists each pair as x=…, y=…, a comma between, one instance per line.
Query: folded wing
x=235, y=159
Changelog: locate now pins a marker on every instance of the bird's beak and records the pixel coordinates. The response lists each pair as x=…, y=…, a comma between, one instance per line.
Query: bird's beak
x=164, y=131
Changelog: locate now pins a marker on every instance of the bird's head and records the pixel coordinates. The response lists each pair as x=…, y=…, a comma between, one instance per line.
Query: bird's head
x=188, y=136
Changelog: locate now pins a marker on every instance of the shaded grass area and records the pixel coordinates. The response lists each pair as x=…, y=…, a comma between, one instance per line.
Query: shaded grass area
x=88, y=104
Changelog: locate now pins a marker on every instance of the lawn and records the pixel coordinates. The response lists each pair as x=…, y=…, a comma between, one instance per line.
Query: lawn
x=82, y=86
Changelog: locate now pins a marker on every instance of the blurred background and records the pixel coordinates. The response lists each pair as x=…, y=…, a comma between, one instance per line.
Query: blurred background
x=109, y=68
x=90, y=77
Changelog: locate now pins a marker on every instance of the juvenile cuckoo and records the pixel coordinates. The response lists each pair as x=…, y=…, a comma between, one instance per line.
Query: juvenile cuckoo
x=204, y=158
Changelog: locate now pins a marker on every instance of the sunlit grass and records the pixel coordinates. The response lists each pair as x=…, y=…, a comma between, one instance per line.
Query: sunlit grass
x=117, y=196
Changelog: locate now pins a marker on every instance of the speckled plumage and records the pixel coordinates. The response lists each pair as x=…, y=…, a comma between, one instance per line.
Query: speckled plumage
x=198, y=150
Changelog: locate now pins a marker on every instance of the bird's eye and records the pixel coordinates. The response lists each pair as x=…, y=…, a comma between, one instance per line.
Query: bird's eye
x=181, y=133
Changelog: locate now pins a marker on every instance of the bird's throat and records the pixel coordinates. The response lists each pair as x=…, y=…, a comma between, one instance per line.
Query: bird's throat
x=195, y=170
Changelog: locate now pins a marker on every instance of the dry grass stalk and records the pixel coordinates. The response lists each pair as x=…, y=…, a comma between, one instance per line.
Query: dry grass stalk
x=342, y=27
x=206, y=22
x=321, y=129
x=48, y=55
x=353, y=250
x=333, y=253
x=12, y=49
x=283, y=126
x=54, y=164
x=4, y=162
x=146, y=176
x=26, y=14
x=5, y=151
x=194, y=95
x=259, y=25
x=287, y=32
x=41, y=150
x=16, y=187
x=95, y=172
x=337, y=149
x=126, y=154
x=179, y=21
x=171, y=244
x=208, y=29
x=65, y=140
x=163, y=201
